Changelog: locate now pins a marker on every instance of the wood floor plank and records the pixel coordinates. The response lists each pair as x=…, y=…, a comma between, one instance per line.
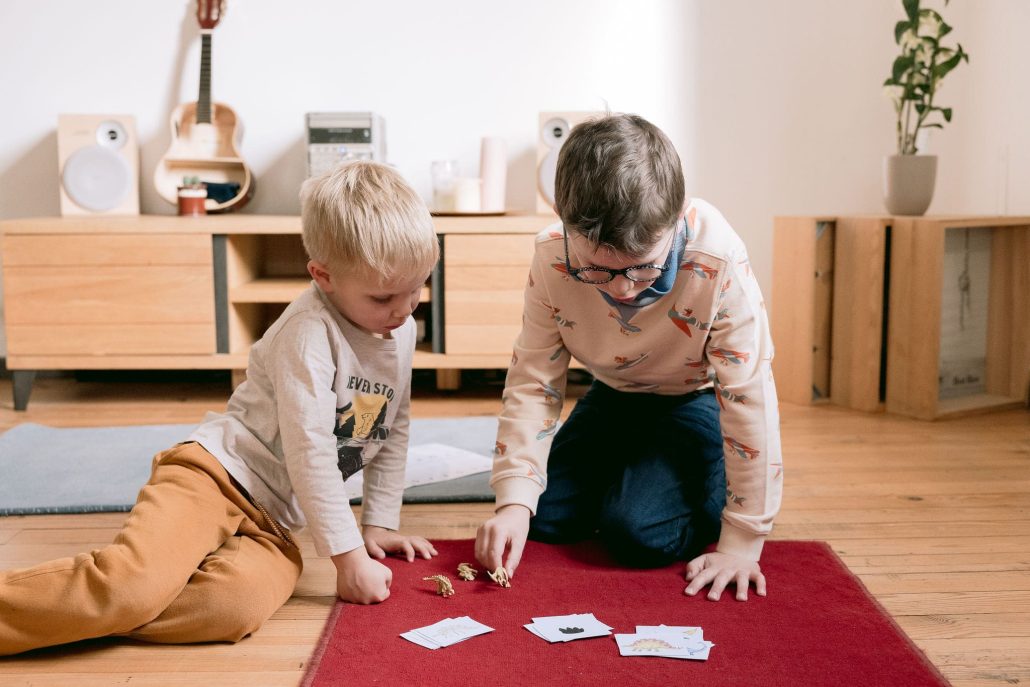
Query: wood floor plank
x=795, y=504
x=902, y=583
x=884, y=530
x=873, y=546
x=942, y=562
x=913, y=514
x=950, y=603
x=966, y=626
x=1006, y=659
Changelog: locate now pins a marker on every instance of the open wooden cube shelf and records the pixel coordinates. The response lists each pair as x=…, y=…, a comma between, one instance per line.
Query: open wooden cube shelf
x=884, y=335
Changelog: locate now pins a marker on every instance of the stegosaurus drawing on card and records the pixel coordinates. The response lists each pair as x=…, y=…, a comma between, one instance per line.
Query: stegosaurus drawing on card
x=652, y=644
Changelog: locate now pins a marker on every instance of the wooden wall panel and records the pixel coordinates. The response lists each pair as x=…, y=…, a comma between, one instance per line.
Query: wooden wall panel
x=860, y=245
x=793, y=306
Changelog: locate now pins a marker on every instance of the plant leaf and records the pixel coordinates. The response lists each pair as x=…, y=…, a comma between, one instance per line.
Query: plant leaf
x=900, y=28
x=901, y=65
x=911, y=9
x=946, y=66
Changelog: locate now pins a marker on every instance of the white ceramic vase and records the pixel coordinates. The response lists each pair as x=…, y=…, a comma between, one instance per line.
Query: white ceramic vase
x=908, y=183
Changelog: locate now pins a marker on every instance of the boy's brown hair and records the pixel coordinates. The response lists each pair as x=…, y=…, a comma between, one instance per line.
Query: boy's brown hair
x=363, y=217
x=619, y=183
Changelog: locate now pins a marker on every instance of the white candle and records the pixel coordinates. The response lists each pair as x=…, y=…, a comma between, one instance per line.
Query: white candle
x=466, y=194
x=493, y=168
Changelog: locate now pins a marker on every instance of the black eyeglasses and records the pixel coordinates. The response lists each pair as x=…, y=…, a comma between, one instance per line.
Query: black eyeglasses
x=591, y=274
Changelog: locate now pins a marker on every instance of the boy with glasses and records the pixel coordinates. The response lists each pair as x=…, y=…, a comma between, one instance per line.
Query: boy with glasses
x=654, y=294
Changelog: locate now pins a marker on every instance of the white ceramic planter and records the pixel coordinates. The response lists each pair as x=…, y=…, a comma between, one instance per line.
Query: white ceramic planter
x=908, y=183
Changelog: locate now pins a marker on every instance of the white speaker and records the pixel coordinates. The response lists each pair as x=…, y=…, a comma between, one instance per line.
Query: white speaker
x=98, y=158
x=554, y=129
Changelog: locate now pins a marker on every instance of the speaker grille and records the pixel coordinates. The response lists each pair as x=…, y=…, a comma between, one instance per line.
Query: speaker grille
x=96, y=178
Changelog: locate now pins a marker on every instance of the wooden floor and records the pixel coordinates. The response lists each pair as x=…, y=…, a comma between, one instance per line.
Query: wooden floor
x=933, y=517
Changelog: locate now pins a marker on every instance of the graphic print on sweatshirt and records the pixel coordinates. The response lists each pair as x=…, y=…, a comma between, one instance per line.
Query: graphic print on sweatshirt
x=357, y=424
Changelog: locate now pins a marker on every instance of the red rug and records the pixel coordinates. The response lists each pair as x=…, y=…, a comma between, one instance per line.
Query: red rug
x=817, y=626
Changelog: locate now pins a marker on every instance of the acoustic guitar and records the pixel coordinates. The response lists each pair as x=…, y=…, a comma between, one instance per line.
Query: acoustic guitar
x=206, y=136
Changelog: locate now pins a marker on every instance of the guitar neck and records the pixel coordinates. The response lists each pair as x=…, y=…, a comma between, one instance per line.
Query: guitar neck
x=204, y=98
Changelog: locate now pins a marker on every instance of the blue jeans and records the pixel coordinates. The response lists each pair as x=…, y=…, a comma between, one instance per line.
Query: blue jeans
x=643, y=472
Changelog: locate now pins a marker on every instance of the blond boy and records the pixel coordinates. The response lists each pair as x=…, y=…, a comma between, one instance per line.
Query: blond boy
x=207, y=553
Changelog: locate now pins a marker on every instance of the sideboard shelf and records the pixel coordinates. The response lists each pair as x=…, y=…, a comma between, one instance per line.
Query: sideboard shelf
x=165, y=292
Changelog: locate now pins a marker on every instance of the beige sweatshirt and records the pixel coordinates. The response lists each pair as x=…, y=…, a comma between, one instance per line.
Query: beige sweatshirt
x=711, y=327
x=322, y=400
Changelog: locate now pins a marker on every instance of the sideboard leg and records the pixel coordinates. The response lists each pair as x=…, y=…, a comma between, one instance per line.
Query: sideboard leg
x=22, y=387
x=448, y=380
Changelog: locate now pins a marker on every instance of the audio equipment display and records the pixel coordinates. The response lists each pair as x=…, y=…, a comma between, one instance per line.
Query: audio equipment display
x=554, y=128
x=333, y=137
x=98, y=158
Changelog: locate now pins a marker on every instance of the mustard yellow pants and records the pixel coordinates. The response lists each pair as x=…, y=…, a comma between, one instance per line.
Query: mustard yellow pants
x=196, y=561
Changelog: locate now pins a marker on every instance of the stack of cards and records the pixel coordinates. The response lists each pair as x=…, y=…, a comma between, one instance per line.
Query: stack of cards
x=565, y=628
x=446, y=632
x=665, y=640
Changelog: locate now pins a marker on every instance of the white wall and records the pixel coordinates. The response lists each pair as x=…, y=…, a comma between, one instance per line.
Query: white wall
x=775, y=106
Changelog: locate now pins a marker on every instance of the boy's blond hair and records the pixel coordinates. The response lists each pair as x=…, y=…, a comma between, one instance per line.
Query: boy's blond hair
x=363, y=217
x=619, y=183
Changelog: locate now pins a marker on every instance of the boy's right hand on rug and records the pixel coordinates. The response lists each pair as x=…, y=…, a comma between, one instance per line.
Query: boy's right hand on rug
x=507, y=529
x=360, y=579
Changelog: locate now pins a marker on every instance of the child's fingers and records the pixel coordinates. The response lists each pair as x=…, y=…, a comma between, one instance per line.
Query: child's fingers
x=695, y=566
x=515, y=555
x=723, y=578
x=701, y=579
x=375, y=551
x=760, y=584
x=409, y=551
x=424, y=548
x=496, y=553
x=742, y=582
x=481, y=544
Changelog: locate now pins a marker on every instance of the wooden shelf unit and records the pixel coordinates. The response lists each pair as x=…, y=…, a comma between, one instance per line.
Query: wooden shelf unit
x=164, y=292
x=885, y=321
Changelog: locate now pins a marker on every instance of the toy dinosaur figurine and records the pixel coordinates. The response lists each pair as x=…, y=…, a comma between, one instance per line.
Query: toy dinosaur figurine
x=500, y=576
x=443, y=586
x=466, y=572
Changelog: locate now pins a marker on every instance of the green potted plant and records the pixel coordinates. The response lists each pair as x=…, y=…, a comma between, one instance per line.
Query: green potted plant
x=912, y=86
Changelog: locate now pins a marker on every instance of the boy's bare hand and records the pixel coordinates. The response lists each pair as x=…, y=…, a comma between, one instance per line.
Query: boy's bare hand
x=361, y=580
x=720, y=569
x=380, y=541
x=507, y=530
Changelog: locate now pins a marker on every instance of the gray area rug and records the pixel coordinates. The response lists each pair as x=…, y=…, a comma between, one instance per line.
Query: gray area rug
x=101, y=469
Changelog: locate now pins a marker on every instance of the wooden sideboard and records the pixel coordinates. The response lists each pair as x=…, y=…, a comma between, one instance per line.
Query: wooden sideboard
x=163, y=292
x=857, y=312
